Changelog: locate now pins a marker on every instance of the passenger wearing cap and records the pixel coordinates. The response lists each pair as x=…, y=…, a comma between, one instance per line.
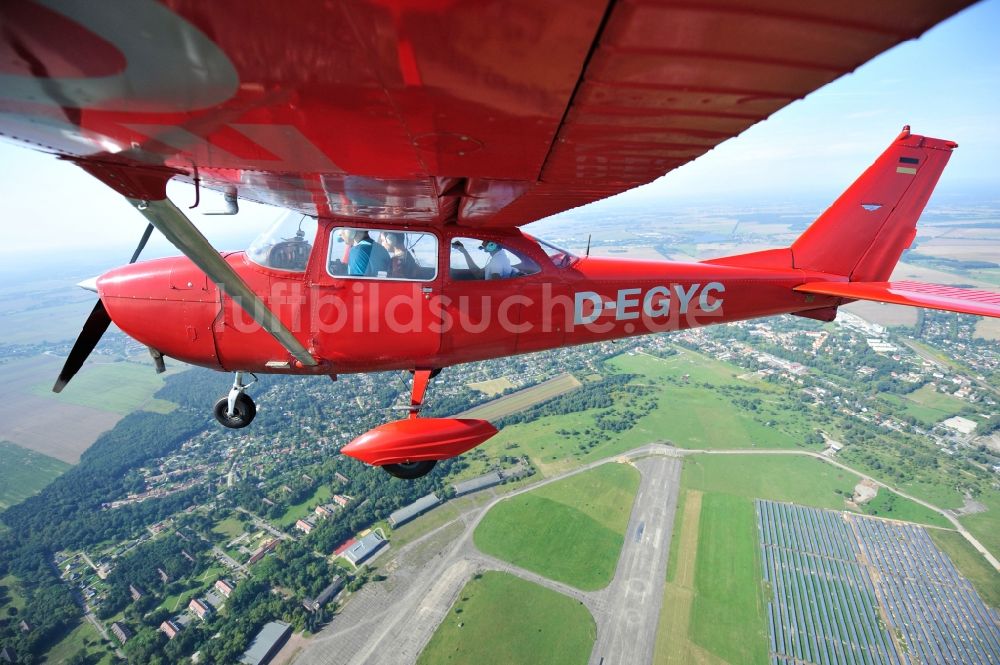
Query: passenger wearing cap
x=497, y=267
x=365, y=257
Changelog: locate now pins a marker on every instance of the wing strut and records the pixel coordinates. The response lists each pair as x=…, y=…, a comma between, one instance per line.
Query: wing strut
x=178, y=229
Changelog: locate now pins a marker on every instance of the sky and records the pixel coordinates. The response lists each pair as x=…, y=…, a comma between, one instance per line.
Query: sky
x=945, y=84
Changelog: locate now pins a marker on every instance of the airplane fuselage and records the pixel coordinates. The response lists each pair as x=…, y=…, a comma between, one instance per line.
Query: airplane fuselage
x=359, y=324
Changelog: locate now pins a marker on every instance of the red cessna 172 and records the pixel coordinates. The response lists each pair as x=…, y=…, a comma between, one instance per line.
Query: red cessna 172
x=410, y=141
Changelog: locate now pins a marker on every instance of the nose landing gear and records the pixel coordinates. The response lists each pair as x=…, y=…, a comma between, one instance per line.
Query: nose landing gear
x=237, y=409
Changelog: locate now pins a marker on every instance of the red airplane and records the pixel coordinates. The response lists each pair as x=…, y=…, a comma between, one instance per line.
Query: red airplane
x=411, y=141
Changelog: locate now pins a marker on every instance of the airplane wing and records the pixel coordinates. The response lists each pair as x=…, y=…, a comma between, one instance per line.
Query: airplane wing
x=915, y=294
x=441, y=111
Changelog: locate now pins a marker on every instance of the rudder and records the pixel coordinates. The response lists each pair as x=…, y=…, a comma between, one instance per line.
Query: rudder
x=863, y=234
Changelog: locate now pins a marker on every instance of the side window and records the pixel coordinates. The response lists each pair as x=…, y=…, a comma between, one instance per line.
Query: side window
x=382, y=254
x=473, y=258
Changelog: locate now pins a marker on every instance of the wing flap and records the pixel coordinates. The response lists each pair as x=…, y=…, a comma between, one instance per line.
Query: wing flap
x=914, y=294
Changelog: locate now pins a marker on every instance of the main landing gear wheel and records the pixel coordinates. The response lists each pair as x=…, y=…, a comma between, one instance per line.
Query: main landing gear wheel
x=410, y=470
x=243, y=413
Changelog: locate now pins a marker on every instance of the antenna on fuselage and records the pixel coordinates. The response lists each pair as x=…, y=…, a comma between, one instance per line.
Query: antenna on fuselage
x=587, y=253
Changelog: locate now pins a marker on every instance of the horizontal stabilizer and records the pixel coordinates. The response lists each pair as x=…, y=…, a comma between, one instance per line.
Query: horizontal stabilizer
x=915, y=294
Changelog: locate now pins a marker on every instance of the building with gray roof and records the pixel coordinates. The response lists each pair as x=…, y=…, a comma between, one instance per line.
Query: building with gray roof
x=365, y=548
x=325, y=595
x=268, y=642
x=418, y=507
x=476, y=484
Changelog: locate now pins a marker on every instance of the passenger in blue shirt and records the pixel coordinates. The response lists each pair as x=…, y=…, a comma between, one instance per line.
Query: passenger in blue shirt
x=367, y=257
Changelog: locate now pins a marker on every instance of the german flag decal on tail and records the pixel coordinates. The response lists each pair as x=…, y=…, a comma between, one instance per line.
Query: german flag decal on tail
x=909, y=170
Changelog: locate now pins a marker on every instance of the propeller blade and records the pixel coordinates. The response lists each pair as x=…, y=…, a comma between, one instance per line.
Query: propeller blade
x=97, y=323
x=95, y=327
x=142, y=243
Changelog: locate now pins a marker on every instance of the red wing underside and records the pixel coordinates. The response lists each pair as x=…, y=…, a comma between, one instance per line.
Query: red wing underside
x=915, y=294
x=477, y=113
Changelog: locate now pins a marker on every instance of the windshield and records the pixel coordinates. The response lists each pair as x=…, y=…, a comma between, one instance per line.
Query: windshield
x=286, y=245
x=560, y=257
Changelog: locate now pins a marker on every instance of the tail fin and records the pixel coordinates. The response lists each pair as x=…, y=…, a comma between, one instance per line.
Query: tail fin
x=863, y=234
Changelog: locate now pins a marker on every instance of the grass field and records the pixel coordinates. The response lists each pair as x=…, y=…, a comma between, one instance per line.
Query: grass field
x=66, y=429
x=688, y=414
x=14, y=597
x=928, y=405
x=673, y=641
x=988, y=328
x=501, y=619
x=727, y=614
x=82, y=638
x=986, y=526
x=297, y=511
x=691, y=416
x=229, y=528
x=570, y=531
x=120, y=387
x=522, y=399
x=24, y=472
x=492, y=386
x=713, y=599
x=803, y=480
x=970, y=563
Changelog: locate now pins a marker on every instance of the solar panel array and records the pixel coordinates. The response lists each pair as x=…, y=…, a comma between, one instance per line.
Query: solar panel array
x=942, y=618
x=842, y=584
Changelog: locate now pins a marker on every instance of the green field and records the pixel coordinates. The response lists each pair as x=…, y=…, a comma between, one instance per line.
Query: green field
x=522, y=399
x=727, y=615
x=229, y=528
x=795, y=479
x=570, y=531
x=119, y=387
x=24, y=472
x=986, y=526
x=691, y=413
x=304, y=509
x=492, y=386
x=970, y=563
x=713, y=600
x=14, y=597
x=82, y=638
x=928, y=405
x=691, y=416
x=501, y=619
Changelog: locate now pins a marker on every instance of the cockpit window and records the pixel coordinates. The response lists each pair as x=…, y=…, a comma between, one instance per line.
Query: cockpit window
x=286, y=245
x=474, y=258
x=560, y=258
x=382, y=254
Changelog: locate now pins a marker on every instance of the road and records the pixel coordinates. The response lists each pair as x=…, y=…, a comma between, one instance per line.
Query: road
x=390, y=623
x=228, y=560
x=262, y=524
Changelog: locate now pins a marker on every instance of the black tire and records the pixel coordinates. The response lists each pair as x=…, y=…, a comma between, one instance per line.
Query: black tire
x=410, y=470
x=244, y=411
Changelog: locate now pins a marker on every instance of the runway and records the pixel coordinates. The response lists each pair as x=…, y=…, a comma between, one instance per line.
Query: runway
x=390, y=622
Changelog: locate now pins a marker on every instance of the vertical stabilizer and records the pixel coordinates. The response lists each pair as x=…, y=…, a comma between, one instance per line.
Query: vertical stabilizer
x=863, y=234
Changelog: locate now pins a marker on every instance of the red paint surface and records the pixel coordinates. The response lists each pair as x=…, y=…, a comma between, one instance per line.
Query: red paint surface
x=490, y=113
x=418, y=439
x=914, y=294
